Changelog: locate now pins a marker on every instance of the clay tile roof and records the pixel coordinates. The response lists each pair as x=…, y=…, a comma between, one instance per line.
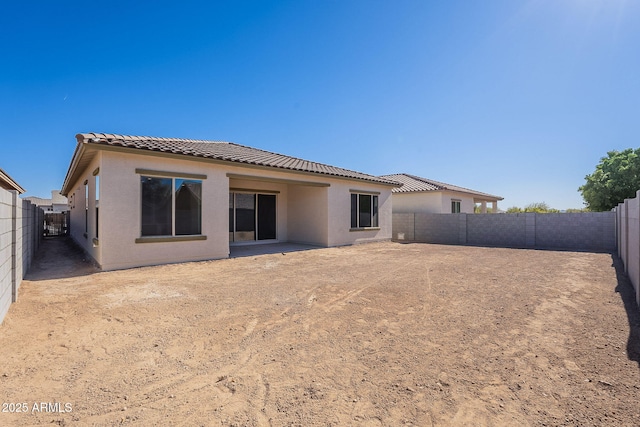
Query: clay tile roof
x=225, y=151
x=412, y=183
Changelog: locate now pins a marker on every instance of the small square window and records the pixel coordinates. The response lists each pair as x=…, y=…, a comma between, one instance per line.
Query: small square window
x=364, y=210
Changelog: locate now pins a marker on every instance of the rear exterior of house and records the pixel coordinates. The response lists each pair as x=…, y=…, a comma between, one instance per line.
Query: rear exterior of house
x=422, y=195
x=138, y=201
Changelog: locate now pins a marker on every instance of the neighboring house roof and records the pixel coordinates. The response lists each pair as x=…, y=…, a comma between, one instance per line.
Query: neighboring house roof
x=39, y=201
x=56, y=199
x=412, y=183
x=214, y=150
x=8, y=183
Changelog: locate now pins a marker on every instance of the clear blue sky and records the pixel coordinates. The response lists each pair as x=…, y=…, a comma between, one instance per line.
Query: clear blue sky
x=515, y=98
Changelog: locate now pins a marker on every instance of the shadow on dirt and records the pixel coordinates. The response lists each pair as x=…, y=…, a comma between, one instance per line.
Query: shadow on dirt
x=628, y=296
x=59, y=258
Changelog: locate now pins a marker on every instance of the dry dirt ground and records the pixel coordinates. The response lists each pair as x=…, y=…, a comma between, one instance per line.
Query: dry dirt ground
x=382, y=334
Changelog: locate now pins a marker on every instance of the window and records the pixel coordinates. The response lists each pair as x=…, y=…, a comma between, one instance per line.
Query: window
x=455, y=206
x=364, y=210
x=188, y=201
x=171, y=206
x=86, y=208
x=97, y=201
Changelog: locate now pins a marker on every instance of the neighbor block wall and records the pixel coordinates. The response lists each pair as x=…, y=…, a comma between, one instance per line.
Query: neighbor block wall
x=21, y=227
x=403, y=226
x=6, y=242
x=437, y=228
x=496, y=230
x=628, y=239
x=568, y=230
x=581, y=231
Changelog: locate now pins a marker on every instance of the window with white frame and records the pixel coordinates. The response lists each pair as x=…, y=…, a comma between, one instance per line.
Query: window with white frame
x=455, y=206
x=171, y=206
x=364, y=210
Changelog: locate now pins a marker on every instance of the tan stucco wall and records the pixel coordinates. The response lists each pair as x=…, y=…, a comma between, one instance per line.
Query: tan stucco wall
x=308, y=214
x=431, y=202
x=77, y=211
x=121, y=221
x=417, y=202
x=340, y=214
x=466, y=202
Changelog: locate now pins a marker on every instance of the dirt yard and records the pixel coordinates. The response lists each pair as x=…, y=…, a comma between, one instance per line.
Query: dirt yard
x=381, y=334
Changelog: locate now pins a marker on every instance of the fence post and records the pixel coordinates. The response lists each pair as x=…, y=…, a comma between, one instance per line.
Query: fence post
x=530, y=229
x=626, y=241
x=462, y=228
x=34, y=234
x=617, y=211
x=14, y=245
x=637, y=261
x=414, y=227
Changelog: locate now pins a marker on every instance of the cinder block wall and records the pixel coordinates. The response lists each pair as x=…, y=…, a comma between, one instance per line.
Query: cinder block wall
x=21, y=227
x=628, y=239
x=589, y=230
x=594, y=231
x=437, y=228
x=6, y=240
x=403, y=226
x=497, y=230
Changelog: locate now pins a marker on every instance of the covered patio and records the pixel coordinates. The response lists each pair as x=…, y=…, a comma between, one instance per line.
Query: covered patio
x=268, y=248
x=482, y=202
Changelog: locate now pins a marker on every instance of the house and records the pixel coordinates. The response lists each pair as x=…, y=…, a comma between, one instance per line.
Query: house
x=56, y=204
x=421, y=195
x=138, y=200
x=56, y=213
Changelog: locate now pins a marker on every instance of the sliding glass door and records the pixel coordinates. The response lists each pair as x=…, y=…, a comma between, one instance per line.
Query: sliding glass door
x=252, y=216
x=266, y=216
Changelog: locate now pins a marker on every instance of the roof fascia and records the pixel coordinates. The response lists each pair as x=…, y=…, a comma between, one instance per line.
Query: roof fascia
x=480, y=197
x=77, y=154
x=477, y=197
x=6, y=178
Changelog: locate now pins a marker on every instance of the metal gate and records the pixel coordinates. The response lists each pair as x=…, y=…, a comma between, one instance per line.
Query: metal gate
x=56, y=224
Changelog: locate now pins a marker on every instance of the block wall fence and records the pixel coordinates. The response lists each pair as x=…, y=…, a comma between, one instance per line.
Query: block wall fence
x=591, y=231
x=21, y=228
x=628, y=231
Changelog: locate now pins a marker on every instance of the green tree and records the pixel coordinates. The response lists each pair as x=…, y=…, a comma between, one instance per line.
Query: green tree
x=573, y=210
x=538, y=207
x=617, y=177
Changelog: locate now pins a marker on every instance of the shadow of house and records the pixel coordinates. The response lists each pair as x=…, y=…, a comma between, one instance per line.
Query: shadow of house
x=628, y=297
x=59, y=258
